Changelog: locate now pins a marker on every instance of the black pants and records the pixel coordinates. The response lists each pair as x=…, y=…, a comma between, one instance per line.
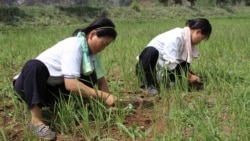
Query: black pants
x=146, y=68
x=33, y=88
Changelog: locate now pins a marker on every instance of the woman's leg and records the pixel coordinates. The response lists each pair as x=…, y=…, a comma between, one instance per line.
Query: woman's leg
x=181, y=69
x=36, y=115
x=31, y=86
x=145, y=68
x=89, y=80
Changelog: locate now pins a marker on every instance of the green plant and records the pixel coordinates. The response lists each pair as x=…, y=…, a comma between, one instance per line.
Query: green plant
x=134, y=5
x=219, y=112
x=134, y=131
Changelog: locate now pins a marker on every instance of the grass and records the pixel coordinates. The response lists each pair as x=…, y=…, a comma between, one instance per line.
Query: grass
x=219, y=112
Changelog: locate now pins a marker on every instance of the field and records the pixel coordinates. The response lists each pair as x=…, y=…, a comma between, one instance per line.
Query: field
x=221, y=111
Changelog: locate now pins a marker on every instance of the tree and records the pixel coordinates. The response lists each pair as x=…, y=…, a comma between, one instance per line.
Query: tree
x=221, y=2
x=165, y=2
x=226, y=2
x=192, y=2
x=177, y=2
x=247, y=2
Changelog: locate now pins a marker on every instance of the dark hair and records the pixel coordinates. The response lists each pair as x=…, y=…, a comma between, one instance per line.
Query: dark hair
x=200, y=23
x=103, y=27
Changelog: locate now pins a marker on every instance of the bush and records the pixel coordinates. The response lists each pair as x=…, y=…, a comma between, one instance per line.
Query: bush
x=134, y=5
x=11, y=15
x=84, y=11
x=247, y=2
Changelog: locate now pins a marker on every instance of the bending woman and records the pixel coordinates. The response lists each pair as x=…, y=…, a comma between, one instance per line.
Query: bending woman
x=170, y=54
x=71, y=65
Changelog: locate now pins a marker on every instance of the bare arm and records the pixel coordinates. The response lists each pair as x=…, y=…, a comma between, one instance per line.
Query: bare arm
x=76, y=86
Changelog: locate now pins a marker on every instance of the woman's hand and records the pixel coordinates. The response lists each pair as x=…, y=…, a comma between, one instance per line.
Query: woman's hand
x=110, y=100
x=193, y=78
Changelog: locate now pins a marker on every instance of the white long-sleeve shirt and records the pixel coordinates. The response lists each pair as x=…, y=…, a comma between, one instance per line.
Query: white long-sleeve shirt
x=170, y=45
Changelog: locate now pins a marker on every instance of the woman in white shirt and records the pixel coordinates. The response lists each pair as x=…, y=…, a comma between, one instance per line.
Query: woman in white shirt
x=169, y=54
x=71, y=65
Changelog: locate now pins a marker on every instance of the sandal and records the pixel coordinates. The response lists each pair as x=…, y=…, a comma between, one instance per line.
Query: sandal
x=43, y=132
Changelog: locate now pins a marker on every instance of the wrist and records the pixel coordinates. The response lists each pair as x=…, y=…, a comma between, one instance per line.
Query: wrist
x=109, y=100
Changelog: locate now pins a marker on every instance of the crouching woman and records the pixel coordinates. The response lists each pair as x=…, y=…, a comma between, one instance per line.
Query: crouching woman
x=171, y=53
x=71, y=65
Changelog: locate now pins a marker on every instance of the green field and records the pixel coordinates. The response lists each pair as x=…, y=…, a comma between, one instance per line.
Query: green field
x=219, y=112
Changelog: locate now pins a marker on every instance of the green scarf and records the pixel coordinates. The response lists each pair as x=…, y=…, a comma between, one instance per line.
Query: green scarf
x=86, y=62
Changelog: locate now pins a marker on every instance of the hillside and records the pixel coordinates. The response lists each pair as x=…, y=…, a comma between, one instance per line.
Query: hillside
x=59, y=15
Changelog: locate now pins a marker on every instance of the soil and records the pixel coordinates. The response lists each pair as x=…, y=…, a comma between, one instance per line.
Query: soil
x=143, y=118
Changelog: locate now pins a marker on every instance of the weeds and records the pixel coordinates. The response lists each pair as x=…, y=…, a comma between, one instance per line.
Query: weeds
x=218, y=112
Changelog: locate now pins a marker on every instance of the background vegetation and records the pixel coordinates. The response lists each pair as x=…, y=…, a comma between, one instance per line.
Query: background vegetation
x=219, y=112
